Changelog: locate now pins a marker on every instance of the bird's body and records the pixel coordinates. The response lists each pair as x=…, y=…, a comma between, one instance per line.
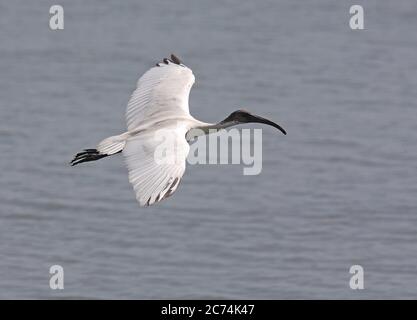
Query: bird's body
x=159, y=104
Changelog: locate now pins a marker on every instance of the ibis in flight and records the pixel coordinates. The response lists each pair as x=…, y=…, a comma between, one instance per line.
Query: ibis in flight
x=160, y=101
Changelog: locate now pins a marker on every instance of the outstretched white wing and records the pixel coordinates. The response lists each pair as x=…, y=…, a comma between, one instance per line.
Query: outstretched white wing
x=156, y=162
x=161, y=93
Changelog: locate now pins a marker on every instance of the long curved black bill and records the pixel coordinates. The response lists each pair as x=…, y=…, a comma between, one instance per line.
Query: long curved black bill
x=258, y=119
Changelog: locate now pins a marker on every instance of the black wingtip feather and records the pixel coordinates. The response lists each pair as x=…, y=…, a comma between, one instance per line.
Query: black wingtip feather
x=175, y=59
x=86, y=156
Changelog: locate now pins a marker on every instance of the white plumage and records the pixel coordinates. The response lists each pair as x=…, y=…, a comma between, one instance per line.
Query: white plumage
x=153, y=181
x=159, y=104
x=159, y=101
x=161, y=93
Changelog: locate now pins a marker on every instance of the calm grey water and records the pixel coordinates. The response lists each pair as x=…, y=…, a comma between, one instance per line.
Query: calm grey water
x=340, y=189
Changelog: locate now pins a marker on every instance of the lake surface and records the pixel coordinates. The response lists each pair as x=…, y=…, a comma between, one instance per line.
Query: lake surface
x=340, y=189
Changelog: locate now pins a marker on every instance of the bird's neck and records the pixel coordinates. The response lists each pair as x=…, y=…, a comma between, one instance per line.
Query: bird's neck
x=207, y=128
x=217, y=126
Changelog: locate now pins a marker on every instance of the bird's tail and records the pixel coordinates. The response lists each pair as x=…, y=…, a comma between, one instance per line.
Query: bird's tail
x=105, y=148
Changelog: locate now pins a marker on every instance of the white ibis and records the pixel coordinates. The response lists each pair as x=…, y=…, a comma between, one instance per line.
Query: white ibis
x=160, y=101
